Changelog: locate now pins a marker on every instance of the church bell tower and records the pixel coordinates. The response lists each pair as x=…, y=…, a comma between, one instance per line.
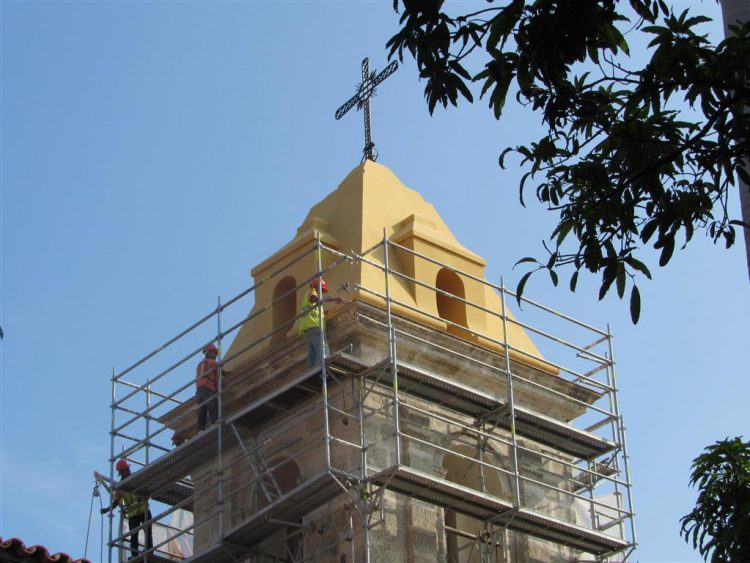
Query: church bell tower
x=439, y=426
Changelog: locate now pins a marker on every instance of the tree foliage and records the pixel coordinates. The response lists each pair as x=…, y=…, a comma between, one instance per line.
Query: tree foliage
x=719, y=525
x=621, y=161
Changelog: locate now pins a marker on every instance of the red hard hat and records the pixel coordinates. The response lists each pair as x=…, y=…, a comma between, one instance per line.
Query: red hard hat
x=121, y=465
x=210, y=348
x=323, y=285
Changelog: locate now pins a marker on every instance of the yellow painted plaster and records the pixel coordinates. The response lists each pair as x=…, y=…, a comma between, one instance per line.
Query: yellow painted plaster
x=371, y=202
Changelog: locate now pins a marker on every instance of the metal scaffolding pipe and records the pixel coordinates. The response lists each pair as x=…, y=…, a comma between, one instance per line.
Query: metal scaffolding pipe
x=392, y=350
x=218, y=423
x=621, y=430
x=511, y=407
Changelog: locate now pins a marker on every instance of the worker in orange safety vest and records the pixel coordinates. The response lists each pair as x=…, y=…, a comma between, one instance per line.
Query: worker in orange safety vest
x=206, y=386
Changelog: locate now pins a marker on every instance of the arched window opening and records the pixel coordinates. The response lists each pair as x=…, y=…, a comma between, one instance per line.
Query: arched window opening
x=284, y=308
x=463, y=533
x=450, y=287
x=285, y=477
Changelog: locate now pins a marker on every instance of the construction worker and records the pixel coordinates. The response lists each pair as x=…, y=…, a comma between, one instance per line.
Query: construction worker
x=312, y=323
x=136, y=509
x=206, y=386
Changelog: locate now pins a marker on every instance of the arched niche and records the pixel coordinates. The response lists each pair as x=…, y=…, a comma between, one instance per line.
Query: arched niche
x=287, y=544
x=449, y=305
x=449, y=286
x=463, y=468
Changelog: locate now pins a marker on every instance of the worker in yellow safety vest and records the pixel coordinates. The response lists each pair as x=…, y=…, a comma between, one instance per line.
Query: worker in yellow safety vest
x=135, y=507
x=312, y=323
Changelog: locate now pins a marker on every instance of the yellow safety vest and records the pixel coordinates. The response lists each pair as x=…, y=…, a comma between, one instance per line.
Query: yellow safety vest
x=133, y=504
x=311, y=314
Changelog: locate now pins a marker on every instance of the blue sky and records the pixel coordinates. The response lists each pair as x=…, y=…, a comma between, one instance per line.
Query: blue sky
x=153, y=152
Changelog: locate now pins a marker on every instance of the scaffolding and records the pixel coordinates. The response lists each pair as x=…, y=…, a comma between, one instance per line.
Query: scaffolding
x=305, y=463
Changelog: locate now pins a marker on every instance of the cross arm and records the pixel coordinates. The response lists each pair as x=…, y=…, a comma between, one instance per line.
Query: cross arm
x=387, y=71
x=347, y=106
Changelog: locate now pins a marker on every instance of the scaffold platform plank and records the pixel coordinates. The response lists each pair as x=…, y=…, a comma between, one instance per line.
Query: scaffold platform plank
x=306, y=385
x=218, y=553
x=160, y=479
x=471, y=502
x=157, y=556
x=176, y=493
x=481, y=405
x=290, y=507
x=588, y=479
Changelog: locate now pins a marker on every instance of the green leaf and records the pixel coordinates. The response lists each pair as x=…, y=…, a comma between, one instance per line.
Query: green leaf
x=635, y=304
x=464, y=91
x=608, y=277
x=621, y=280
x=501, y=158
x=553, y=277
x=638, y=265
x=551, y=261
x=562, y=231
x=503, y=23
x=574, y=281
x=666, y=251
x=648, y=230
x=521, y=285
x=524, y=78
x=614, y=35
x=520, y=188
x=525, y=260
x=743, y=173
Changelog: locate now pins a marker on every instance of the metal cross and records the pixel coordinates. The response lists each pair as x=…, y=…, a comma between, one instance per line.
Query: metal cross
x=361, y=99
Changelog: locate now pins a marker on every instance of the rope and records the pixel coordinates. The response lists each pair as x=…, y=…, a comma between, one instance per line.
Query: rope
x=101, y=530
x=95, y=493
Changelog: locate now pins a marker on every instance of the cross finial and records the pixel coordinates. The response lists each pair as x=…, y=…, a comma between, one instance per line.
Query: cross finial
x=361, y=99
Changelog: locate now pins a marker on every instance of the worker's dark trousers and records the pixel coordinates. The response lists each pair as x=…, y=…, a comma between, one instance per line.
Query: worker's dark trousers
x=317, y=347
x=208, y=406
x=134, y=522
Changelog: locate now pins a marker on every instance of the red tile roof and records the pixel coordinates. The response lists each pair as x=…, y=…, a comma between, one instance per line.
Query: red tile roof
x=14, y=550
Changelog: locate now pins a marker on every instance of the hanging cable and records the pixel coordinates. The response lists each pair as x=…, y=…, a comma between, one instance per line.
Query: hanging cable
x=95, y=493
x=101, y=527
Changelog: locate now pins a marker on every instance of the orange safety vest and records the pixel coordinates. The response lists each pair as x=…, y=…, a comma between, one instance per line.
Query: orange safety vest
x=206, y=374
